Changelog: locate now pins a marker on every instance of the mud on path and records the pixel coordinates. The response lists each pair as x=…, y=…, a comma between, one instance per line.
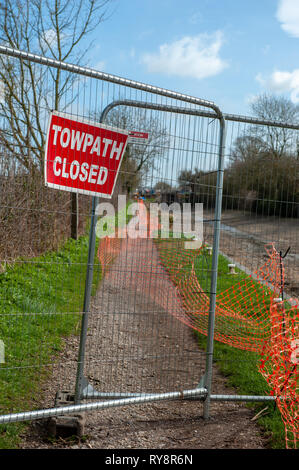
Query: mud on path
x=136, y=343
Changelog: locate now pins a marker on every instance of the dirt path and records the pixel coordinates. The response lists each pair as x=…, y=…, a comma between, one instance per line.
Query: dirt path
x=137, y=344
x=244, y=237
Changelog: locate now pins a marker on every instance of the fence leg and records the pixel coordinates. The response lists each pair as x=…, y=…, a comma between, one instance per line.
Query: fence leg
x=212, y=306
x=87, y=296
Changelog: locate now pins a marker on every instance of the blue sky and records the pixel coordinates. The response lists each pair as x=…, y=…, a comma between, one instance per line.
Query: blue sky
x=226, y=51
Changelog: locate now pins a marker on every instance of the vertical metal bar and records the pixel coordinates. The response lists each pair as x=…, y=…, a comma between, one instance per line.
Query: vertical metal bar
x=87, y=293
x=213, y=290
x=87, y=296
x=74, y=215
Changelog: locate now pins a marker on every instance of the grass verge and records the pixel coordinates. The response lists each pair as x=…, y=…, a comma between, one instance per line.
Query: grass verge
x=41, y=300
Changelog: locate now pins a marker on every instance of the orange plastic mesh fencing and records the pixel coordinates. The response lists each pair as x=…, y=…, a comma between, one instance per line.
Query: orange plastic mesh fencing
x=279, y=365
x=242, y=310
x=246, y=315
x=108, y=249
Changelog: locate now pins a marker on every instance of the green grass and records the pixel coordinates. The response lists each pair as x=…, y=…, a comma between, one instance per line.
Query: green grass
x=41, y=300
x=240, y=367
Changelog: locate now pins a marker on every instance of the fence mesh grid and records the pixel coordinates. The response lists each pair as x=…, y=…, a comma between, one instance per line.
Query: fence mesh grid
x=259, y=237
x=133, y=344
x=151, y=350
x=147, y=292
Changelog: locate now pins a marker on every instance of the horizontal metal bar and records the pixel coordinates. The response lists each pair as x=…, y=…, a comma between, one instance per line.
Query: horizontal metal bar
x=105, y=76
x=254, y=120
x=73, y=409
x=161, y=107
x=139, y=85
x=242, y=398
x=203, y=113
x=94, y=394
x=88, y=391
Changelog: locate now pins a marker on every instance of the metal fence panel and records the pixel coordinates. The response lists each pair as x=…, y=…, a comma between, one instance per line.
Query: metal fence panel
x=136, y=343
x=258, y=264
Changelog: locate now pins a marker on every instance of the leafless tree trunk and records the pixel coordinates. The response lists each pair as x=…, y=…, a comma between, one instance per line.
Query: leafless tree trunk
x=54, y=29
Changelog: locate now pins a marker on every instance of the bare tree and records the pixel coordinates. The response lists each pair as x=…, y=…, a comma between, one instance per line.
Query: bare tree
x=246, y=147
x=139, y=159
x=280, y=109
x=54, y=28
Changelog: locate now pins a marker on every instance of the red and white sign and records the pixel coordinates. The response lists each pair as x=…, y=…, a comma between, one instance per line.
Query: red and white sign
x=136, y=137
x=83, y=156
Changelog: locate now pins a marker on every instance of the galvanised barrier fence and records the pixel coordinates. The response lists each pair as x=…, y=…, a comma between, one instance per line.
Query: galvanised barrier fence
x=110, y=350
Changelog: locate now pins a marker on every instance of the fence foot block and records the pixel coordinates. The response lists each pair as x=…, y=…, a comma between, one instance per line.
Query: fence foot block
x=66, y=425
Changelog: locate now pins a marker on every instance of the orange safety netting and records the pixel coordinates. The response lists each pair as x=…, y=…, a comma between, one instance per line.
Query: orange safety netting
x=108, y=250
x=279, y=365
x=246, y=315
x=242, y=311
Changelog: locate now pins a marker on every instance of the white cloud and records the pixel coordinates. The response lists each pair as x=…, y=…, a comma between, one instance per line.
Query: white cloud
x=49, y=38
x=288, y=15
x=251, y=98
x=282, y=82
x=196, y=57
